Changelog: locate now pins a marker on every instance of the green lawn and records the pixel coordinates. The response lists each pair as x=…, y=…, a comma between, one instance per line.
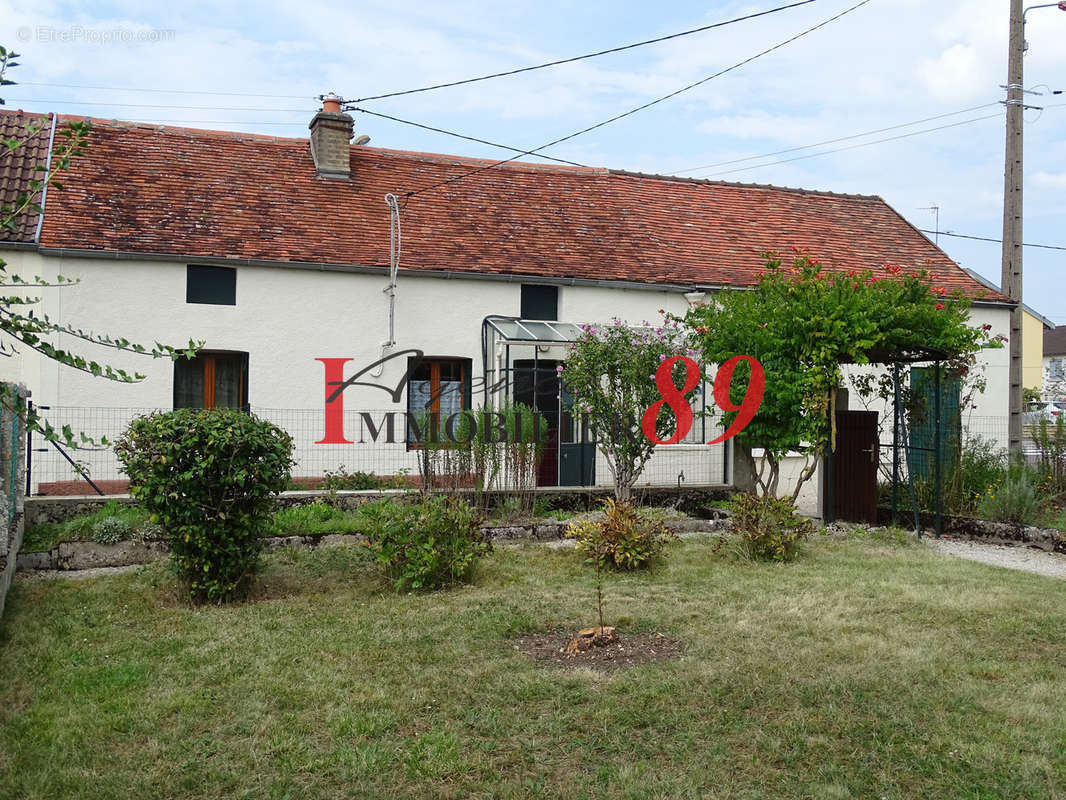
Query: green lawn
x=863, y=670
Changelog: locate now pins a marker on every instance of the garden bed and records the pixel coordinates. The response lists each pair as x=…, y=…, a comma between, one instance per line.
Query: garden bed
x=75, y=555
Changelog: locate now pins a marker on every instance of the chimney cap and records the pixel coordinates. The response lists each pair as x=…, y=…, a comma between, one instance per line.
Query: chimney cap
x=331, y=102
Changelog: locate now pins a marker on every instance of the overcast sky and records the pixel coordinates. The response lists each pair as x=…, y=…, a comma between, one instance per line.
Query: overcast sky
x=887, y=63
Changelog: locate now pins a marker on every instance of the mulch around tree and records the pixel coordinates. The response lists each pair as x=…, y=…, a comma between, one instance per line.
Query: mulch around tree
x=620, y=651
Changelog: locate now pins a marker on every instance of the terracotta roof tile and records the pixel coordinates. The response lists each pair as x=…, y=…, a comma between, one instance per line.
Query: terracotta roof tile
x=17, y=167
x=191, y=193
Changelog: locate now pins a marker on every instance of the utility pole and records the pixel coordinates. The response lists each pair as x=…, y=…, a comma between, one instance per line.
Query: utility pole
x=1011, y=276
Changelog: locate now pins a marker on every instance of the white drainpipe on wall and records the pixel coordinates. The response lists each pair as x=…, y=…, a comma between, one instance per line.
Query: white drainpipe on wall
x=395, y=243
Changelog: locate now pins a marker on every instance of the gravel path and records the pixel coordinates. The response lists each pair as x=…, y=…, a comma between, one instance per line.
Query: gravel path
x=1051, y=565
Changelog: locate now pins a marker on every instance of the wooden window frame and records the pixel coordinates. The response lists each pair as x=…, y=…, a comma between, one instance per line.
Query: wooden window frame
x=434, y=363
x=208, y=360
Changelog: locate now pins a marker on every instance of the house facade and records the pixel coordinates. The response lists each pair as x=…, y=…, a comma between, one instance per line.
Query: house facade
x=1054, y=353
x=275, y=253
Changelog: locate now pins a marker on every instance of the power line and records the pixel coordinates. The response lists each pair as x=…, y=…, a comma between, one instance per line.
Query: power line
x=997, y=241
x=854, y=146
x=153, y=105
x=461, y=136
x=641, y=107
x=834, y=141
x=581, y=58
x=165, y=91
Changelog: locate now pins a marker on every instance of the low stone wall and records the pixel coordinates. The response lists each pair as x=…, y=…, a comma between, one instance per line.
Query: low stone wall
x=90, y=555
x=1050, y=540
x=695, y=502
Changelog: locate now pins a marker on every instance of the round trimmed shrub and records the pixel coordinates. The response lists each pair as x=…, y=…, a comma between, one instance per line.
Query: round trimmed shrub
x=208, y=477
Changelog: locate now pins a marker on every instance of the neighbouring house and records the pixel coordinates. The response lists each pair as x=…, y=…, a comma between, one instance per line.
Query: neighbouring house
x=276, y=253
x=1035, y=327
x=1054, y=342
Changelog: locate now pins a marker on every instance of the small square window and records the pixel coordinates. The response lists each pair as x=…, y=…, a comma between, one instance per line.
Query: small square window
x=540, y=302
x=211, y=285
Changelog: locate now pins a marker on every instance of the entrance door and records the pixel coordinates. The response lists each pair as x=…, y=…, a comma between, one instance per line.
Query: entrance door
x=855, y=464
x=577, y=450
x=536, y=384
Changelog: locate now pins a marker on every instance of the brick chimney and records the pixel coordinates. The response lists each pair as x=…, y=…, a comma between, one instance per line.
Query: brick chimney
x=331, y=130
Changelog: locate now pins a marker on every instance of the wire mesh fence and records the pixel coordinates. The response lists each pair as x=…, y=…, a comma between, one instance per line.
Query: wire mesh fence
x=377, y=443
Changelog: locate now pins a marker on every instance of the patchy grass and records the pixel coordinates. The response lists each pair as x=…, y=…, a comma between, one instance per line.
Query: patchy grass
x=314, y=519
x=862, y=670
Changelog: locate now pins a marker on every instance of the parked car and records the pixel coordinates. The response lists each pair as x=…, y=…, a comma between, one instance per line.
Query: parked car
x=1050, y=410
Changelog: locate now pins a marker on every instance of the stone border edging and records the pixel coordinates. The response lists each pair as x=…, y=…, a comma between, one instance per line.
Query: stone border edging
x=90, y=555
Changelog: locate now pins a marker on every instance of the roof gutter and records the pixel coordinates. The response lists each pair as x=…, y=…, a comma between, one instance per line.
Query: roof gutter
x=47, y=170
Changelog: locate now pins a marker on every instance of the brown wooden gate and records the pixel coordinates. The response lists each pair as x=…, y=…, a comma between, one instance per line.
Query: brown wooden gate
x=855, y=466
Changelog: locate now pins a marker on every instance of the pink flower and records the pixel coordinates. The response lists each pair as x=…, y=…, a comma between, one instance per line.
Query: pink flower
x=939, y=306
x=559, y=368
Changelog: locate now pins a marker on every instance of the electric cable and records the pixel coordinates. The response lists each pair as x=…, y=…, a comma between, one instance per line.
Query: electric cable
x=154, y=105
x=641, y=107
x=460, y=135
x=987, y=239
x=834, y=141
x=854, y=146
x=165, y=91
x=581, y=58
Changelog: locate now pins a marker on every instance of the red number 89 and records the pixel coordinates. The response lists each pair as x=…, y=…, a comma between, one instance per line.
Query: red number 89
x=723, y=381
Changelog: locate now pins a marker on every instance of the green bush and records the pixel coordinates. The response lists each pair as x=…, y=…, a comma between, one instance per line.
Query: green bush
x=112, y=530
x=342, y=480
x=1014, y=500
x=626, y=538
x=208, y=477
x=768, y=528
x=982, y=463
x=427, y=545
x=1051, y=442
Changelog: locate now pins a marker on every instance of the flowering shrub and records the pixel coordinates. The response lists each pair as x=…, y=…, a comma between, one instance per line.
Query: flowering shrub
x=626, y=538
x=802, y=321
x=611, y=373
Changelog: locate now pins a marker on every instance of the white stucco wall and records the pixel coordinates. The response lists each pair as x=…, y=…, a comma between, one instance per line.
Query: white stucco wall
x=285, y=318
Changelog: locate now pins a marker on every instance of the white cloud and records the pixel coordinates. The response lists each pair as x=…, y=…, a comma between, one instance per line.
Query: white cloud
x=954, y=76
x=1050, y=180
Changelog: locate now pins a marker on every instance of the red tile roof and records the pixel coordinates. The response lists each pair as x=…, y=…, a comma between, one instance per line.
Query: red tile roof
x=17, y=167
x=192, y=193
